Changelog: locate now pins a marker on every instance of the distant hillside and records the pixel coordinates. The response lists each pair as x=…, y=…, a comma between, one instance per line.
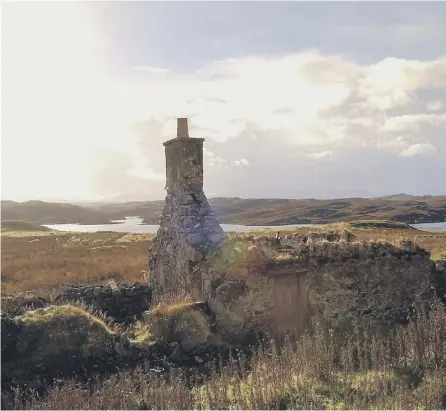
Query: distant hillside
x=18, y=225
x=144, y=209
x=401, y=208
x=40, y=212
x=410, y=210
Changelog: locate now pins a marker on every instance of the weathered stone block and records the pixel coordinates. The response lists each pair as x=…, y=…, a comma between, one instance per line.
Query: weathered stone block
x=217, y=237
x=195, y=238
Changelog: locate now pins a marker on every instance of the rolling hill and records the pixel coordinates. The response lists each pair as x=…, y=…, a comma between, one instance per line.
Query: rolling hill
x=402, y=208
x=310, y=211
x=41, y=212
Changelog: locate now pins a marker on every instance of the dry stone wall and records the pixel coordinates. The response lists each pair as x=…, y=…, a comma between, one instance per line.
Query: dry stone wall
x=122, y=303
x=343, y=283
x=377, y=284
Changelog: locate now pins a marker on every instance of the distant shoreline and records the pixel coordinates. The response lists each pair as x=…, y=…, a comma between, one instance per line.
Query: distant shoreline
x=248, y=212
x=130, y=226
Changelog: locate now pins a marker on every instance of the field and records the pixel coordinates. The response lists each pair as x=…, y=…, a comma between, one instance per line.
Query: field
x=40, y=261
x=403, y=370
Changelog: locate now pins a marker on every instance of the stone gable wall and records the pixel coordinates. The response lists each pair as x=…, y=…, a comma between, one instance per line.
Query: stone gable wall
x=189, y=232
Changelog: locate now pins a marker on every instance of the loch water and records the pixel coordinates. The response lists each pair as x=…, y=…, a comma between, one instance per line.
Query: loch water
x=133, y=225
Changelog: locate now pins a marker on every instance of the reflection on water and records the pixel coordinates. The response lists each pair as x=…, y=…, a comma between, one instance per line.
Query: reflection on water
x=133, y=225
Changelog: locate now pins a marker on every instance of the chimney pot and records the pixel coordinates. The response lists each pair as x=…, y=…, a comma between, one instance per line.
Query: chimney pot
x=182, y=128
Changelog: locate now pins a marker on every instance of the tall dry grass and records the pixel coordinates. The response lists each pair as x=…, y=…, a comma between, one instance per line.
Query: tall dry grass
x=406, y=370
x=41, y=266
x=434, y=242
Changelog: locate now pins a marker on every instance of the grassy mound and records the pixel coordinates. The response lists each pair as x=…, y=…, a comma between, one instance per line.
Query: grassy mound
x=63, y=317
x=19, y=225
x=59, y=341
x=63, y=328
x=178, y=321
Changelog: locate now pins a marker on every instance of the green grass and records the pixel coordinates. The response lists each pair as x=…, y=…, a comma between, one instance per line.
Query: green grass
x=61, y=313
x=142, y=332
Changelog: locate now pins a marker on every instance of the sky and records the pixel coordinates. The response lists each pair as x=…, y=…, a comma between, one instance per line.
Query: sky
x=294, y=99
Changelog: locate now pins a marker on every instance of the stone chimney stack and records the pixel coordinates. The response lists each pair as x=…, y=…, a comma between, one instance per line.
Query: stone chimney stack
x=184, y=161
x=189, y=231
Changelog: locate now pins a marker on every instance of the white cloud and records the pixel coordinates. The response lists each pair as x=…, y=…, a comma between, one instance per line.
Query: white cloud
x=392, y=143
x=60, y=97
x=322, y=154
x=145, y=173
x=392, y=82
x=212, y=159
x=412, y=122
x=434, y=105
x=242, y=162
x=419, y=150
x=151, y=70
x=310, y=98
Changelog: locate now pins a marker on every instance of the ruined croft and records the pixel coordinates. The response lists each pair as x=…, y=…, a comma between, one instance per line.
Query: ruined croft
x=274, y=284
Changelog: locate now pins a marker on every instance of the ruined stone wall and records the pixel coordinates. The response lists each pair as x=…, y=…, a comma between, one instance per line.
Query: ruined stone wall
x=376, y=284
x=121, y=303
x=275, y=284
x=278, y=289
